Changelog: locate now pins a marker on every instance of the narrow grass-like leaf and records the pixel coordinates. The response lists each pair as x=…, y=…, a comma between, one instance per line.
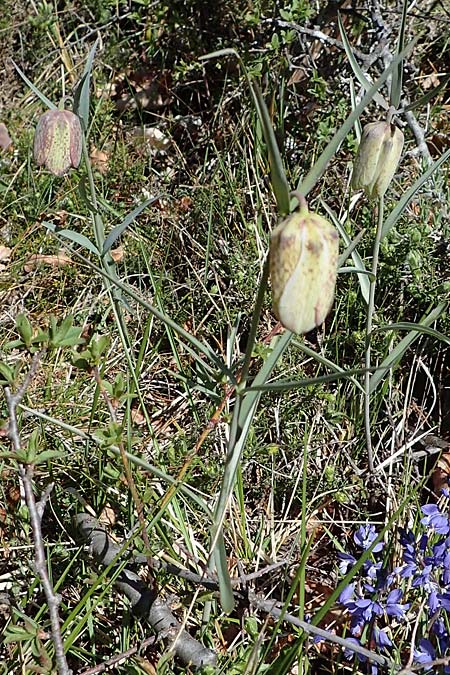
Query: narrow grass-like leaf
x=277, y=172
x=409, y=194
x=397, y=75
x=287, y=385
x=81, y=98
x=350, y=248
x=119, y=229
x=241, y=424
x=316, y=171
x=75, y=237
x=200, y=347
x=351, y=270
x=406, y=325
x=423, y=100
x=278, y=175
x=396, y=354
x=324, y=361
x=364, y=282
x=34, y=89
x=228, y=51
x=378, y=98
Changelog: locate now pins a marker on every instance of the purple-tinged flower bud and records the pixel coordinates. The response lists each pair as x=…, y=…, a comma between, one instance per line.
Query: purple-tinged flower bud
x=303, y=267
x=57, y=141
x=377, y=158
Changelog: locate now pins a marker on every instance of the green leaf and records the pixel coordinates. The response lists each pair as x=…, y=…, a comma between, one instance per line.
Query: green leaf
x=287, y=385
x=378, y=98
x=6, y=374
x=228, y=51
x=242, y=419
x=34, y=89
x=363, y=274
x=396, y=354
x=119, y=229
x=306, y=185
x=409, y=194
x=278, y=175
x=407, y=325
x=397, y=75
x=75, y=237
x=24, y=328
x=423, y=100
x=45, y=456
x=81, y=97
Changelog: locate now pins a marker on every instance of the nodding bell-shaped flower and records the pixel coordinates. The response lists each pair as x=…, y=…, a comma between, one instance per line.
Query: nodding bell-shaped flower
x=57, y=141
x=377, y=157
x=303, y=266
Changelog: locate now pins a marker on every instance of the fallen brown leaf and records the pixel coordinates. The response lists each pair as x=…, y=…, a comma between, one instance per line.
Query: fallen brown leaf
x=37, y=259
x=117, y=254
x=100, y=160
x=5, y=252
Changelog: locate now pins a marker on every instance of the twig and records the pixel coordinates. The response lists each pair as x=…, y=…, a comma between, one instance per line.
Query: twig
x=36, y=511
x=210, y=583
x=319, y=35
x=118, y=658
x=155, y=610
x=276, y=610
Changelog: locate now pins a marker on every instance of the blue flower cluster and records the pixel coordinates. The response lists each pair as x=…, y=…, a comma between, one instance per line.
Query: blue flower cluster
x=376, y=599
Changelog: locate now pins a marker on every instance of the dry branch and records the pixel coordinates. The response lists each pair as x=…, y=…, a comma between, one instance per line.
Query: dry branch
x=36, y=511
x=143, y=601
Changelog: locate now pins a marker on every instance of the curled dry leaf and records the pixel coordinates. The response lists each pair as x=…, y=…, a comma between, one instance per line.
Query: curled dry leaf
x=35, y=260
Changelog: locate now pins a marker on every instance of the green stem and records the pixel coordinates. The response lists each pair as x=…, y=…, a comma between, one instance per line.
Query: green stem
x=369, y=322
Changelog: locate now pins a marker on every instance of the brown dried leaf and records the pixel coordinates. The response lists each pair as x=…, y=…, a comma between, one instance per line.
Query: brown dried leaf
x=5, y=252
x=117, y=254
x=430, y=81
x=100, y=160
x=37, y=259
x=107, y=516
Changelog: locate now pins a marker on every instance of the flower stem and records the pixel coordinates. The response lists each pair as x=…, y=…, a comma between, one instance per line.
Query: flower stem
x=369, y=322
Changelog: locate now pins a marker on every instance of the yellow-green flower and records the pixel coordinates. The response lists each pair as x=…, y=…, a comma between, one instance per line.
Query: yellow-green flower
x=377, y=158
x=303, y=267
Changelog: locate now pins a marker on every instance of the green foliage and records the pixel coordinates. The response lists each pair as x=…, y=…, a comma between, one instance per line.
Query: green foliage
x=180, y=368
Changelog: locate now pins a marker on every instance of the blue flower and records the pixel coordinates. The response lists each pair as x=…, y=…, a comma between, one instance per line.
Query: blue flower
x=435, y=519
x=349, y=653
x=364, y=536
x=346, y=562
x=425, y=653
x=393, y=606
x=381, y=637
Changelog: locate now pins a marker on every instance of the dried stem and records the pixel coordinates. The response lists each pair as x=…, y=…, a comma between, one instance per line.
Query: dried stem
x=36, y=511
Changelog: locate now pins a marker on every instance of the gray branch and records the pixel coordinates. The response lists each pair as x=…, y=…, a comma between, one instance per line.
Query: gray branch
x=36, y=511
x=143, y=602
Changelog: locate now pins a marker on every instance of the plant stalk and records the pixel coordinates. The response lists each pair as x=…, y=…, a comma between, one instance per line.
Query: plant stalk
x=369, y=323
